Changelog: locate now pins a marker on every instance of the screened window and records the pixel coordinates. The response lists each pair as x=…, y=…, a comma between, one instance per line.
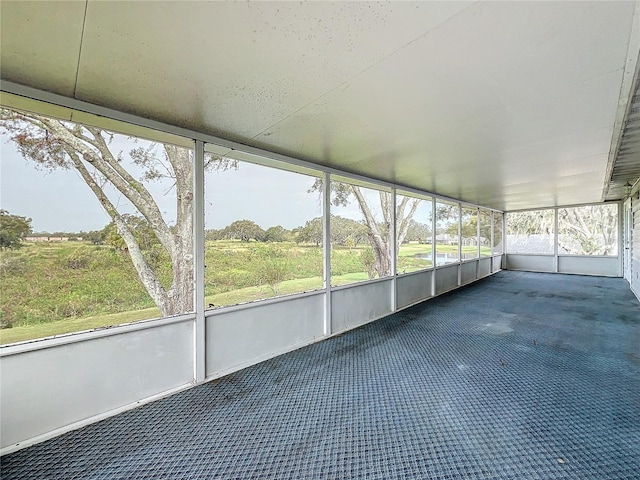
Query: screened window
x=588, y=230
x=414, y=231
x=361, y=235
x=498, y=247
x=447, y=233
x=469, y=233
x=263, y=232
x=109, y=235
x=485, y=233
x=531, y=232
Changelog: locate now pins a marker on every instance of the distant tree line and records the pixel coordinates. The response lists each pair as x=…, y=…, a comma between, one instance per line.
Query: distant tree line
x=344, y=232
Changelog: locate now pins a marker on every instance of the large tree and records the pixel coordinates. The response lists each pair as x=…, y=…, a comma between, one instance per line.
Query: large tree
x=244, y=230
x=347, y=232
x=311, y=232
x=13, y=229
x=590, y=230
x=380, y=234
x=586, y=230
x=344, y=231
x=535, y=228
x=418, y=232
x=54, y=144
x=277, y=234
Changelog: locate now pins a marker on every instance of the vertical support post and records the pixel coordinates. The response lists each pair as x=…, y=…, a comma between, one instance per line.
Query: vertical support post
x=555, y=239
x=198, y=235
x=433, y=247
x=479, y=219
x=394, y=249
x=622, y=231
x=326, y=243
x=503, y=262
x=492, y=243
x=459, y=244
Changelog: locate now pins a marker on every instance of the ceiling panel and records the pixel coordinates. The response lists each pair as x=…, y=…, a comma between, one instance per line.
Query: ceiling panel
x=505, y=104
x=40, y=44
x=494, y=80
x=234, y=69
x=393, y=139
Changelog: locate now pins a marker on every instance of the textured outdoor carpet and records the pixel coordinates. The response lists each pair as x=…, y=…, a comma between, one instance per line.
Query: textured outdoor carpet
x=519, y=376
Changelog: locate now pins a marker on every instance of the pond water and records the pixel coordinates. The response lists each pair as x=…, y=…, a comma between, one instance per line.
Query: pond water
x=446, y=257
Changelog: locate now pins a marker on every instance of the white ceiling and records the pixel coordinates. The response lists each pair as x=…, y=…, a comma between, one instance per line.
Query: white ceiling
x=510, y=105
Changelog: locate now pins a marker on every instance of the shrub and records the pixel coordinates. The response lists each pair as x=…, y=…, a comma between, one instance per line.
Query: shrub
x=274, y=266
x=368, y=260
x=344, y=262
x=80, y=258
x=12, y=264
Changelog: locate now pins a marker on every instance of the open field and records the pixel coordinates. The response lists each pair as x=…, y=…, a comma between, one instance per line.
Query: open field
x=56, y=288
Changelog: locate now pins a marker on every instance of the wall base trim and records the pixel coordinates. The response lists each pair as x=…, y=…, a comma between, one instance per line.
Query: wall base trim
x=94, y=419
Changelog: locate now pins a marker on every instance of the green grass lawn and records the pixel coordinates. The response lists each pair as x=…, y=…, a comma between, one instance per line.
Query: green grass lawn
x=337, y=280
x=53, y=289
x=412, y=249
x=243, y=295
x=69, y=325
x=251, y=294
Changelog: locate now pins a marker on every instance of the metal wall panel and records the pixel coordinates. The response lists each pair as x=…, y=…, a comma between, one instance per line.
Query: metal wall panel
x=359, y=304
x=446, y=278
x=468, y=272
x=634, y=245
x=497, y=263
x=52, y=388
x=626, y=239
x=242, y=337
x=412, y=288
x=531, y=263
x=484, y=267
x=585, y=265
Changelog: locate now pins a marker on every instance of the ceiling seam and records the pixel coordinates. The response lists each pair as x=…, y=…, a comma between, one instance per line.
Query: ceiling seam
x=525, y=102
x=342, y=84
x=84, y=22
x=533, y=100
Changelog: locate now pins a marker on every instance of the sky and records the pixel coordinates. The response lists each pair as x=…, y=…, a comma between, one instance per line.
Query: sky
x=55, y=201
x=60, y=201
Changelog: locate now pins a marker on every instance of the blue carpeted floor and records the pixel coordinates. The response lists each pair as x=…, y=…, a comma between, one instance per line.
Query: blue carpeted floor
x=519, y=376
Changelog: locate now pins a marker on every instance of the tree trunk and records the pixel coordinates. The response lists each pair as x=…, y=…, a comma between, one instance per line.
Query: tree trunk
x=382, y=241
x=56, y=144
x=181, y=293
